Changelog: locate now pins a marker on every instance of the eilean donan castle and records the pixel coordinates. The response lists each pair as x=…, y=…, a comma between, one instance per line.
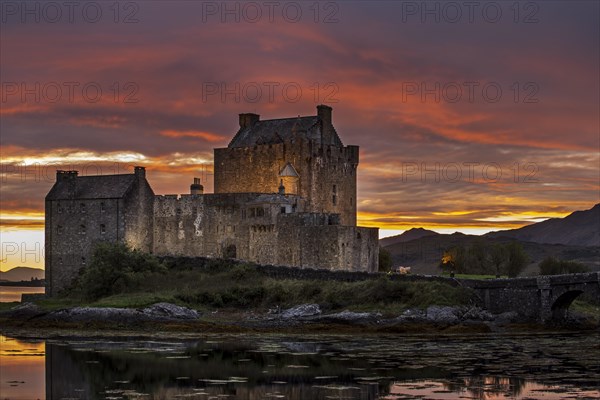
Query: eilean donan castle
x=285, y=194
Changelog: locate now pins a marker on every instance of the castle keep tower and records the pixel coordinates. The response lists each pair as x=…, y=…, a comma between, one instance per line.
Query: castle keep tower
x=305, y=153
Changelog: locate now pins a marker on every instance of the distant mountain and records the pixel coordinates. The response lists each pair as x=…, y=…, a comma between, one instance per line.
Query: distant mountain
x=423, y=255
x=411, y=234
x=581, y=228
x=18, y=274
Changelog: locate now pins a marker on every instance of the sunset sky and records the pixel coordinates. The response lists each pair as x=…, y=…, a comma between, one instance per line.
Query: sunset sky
x=468, y=119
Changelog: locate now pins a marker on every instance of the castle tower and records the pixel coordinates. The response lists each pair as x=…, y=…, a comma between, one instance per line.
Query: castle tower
x=305, y=152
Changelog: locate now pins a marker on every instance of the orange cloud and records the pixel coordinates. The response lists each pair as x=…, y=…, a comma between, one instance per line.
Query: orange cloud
x=208, y=136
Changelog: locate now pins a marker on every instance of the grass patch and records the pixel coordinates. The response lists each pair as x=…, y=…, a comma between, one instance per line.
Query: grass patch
x=206, y=284
x=8, y=305
x=588, y=309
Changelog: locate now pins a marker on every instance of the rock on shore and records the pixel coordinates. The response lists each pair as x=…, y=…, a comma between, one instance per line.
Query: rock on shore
x=156, y=312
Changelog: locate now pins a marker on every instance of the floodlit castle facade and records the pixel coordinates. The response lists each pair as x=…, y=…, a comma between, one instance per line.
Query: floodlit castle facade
x=285, y=194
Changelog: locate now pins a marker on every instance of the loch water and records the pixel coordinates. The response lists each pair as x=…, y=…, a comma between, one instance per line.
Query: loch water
x=482, y=366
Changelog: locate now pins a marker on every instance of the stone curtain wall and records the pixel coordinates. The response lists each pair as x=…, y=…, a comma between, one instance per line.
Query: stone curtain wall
x=230, y=226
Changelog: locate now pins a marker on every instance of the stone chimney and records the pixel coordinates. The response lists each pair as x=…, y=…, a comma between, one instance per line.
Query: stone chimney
x=140, y=172
x=196, y=187
x=248, y=119
x=62, y=175
x=324, y=114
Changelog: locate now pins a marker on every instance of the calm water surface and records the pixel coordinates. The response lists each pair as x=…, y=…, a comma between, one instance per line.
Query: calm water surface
x=307, y=367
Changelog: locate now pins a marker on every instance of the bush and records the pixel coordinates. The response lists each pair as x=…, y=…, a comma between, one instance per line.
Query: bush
x=114, y=268
x=553, y=266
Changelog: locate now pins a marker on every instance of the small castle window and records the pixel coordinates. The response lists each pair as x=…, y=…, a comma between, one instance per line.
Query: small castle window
x=82, y=229
x=283, y=210
x=102, y=229
x=178, y=211
x=82, y=207
x=60, y=209
x=59, y=229
x=102, y=207
x=334, y=188
x=351, y=201
x=83, y=261
x=334, y=199
x=60, y=260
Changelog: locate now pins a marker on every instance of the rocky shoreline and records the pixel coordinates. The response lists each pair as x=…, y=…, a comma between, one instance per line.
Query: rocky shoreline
x=305, y=318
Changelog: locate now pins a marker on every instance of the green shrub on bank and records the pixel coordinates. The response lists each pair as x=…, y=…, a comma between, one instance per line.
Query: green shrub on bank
x=114, y=269
x=122, y=277
x=372, y=293
x=553, y=266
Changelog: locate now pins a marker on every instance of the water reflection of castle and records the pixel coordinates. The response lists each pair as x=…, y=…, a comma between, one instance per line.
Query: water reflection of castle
x=350, y=368
x=230, y=371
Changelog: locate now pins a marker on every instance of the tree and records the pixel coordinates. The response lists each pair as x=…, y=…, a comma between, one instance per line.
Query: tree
x=385, y=260
x=453, y=259
x=498, y=256
x=516, y=260
x=553, y=266
x=478, y=259
x=114, y=269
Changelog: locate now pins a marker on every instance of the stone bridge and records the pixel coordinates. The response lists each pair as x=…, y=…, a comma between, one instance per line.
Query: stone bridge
x=542, y=298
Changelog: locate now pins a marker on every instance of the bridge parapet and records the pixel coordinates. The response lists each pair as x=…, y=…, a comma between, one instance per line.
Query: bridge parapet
x=542, y=298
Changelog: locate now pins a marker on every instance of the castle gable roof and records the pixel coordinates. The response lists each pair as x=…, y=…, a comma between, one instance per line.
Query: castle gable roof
x=272, y=131
x=289, y=170
x=92, y=187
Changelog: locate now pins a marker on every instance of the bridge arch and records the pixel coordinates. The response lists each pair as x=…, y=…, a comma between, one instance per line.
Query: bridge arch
x=560, y=306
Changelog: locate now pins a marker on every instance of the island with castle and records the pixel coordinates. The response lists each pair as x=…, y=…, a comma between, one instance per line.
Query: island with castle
x=284, y=194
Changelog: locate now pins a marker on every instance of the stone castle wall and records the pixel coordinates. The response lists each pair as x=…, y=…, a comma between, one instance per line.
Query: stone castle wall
x=327, y=173
x=73, y=228
x=231, y=226
x=139, y=215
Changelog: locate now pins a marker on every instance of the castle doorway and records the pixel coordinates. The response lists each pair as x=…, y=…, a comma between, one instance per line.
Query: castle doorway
x=230, y=251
